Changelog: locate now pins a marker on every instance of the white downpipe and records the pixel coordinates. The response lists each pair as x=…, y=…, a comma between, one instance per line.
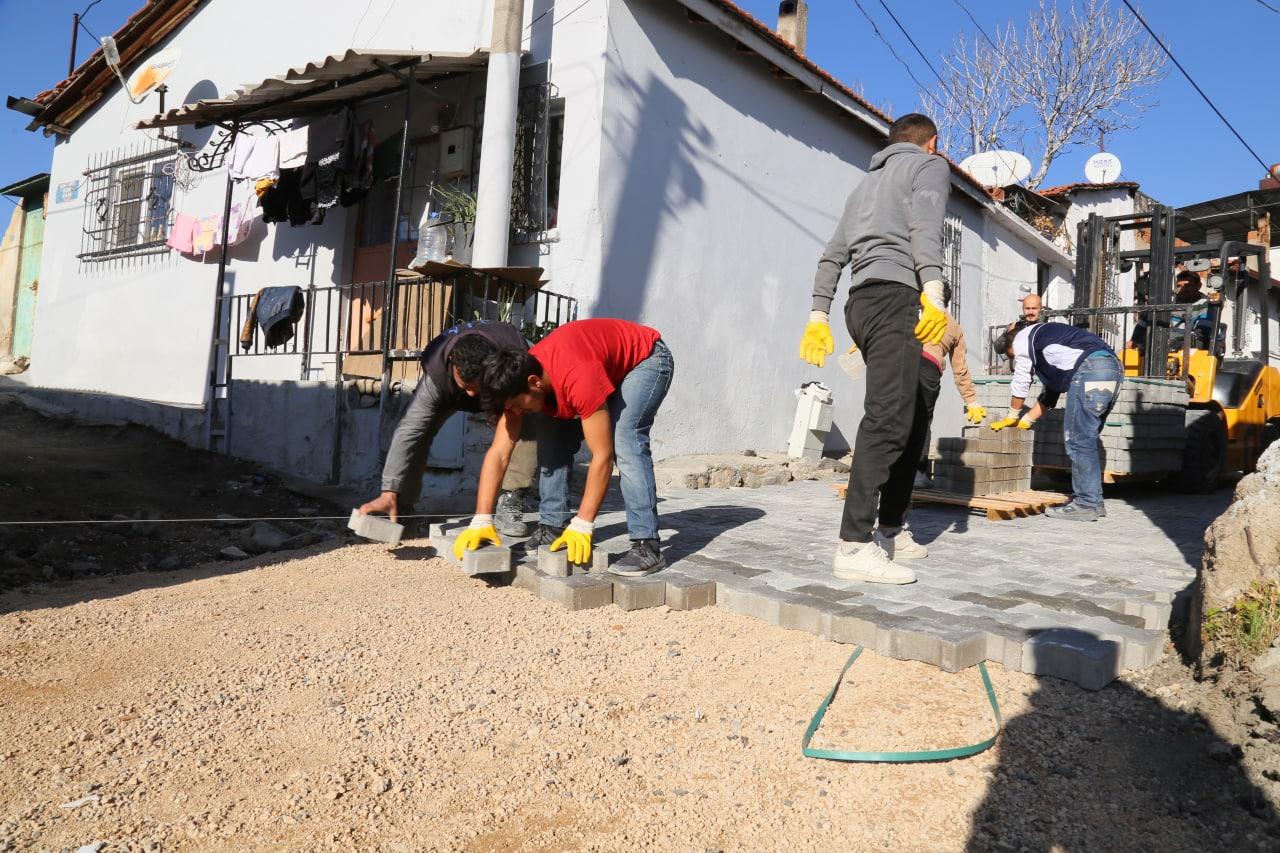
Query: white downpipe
x=498, y=143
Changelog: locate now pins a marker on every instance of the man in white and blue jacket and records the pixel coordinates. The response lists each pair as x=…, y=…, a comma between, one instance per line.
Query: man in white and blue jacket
x=1081, y=365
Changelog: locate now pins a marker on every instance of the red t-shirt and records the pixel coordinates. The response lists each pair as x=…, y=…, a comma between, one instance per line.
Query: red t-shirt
x=586, y=361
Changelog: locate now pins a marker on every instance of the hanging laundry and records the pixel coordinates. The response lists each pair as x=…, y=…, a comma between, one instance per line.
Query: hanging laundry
x=264, y=184
x=276, y=310
x=254, y=157
x=293, y=146
x=287, y=201
x=208, y=235
x=240, y=225
x=182, y=234
x=241, y=150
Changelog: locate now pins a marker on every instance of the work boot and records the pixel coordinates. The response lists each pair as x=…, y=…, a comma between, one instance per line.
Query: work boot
x=902, y=546
x=509, y=515
x=1074, y=512
x=644, y=558
x=542, y=537
x=870, y=562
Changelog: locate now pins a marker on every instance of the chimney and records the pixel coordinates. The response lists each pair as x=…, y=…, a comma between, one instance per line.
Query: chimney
x=793, y=22
x=1272, y=181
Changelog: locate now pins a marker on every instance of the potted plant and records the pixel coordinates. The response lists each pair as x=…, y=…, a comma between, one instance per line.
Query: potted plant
x=458, y=214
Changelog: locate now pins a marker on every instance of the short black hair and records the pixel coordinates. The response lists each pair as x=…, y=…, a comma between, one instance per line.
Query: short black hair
x=506, y=374
x=468, y=354
x=913, y=127
x=1188, y=275
x=1005, y=341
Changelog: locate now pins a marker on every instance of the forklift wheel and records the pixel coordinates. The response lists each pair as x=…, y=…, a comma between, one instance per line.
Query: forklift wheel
x=1205, y=453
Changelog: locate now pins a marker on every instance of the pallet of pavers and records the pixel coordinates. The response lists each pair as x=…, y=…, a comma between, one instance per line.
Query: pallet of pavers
x=550, y=576
x=1145, y=432
x=986, y=470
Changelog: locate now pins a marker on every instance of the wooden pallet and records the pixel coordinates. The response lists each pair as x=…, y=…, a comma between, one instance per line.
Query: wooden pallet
x=999, y=507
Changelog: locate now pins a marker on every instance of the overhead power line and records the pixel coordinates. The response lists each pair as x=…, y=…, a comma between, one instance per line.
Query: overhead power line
x=1196, y=86
x=875, y=29
x=1267, y=5
x=976, y=24
x=914, y=45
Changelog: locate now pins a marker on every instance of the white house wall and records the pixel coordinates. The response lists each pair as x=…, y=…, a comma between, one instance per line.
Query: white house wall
x=140, y=328
x=720, y=185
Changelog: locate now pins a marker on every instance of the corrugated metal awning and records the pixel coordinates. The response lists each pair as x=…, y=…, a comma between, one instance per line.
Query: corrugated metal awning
x=317, y=87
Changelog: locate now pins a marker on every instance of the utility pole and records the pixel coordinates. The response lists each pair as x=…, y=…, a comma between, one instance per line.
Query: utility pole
x=498, y=144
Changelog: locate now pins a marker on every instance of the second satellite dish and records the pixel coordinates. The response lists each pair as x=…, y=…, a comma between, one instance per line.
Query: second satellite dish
x=997, y=168
x=153, y=72
x=1102, y=168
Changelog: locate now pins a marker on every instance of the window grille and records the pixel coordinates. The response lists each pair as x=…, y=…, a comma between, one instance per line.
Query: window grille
x=535, y=180
x=952, y=236
x=128, y=203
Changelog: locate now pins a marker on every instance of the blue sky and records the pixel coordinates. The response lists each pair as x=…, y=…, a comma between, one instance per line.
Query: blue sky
x=1180, y=152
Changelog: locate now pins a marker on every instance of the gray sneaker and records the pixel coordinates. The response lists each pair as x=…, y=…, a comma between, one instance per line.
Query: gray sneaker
x=1074, y=512
x=542, y=537
x=644, y=558
x=509, y=515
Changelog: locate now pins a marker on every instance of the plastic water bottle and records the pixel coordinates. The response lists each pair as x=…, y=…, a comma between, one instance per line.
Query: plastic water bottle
x=432, y=239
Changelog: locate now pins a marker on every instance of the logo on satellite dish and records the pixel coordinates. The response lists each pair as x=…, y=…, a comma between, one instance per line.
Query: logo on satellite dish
x=1102, y=168
x=997, y=168
x=153, y=72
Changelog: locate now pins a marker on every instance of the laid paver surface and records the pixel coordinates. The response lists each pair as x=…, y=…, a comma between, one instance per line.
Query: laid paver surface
x=1077, y=601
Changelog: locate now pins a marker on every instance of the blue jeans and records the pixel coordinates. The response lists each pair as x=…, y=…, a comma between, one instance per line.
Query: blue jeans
x=631, y=407
x=1089, y=400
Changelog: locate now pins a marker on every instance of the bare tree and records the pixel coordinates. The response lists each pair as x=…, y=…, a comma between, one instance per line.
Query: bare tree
x=1065, y=80
x=984, y=117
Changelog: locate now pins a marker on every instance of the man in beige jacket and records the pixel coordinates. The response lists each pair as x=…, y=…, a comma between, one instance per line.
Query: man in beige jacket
x=933, y=363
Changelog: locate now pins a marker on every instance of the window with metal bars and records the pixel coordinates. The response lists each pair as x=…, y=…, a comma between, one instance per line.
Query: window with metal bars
x=952, y=237
x=535, y=181
x=128, y=203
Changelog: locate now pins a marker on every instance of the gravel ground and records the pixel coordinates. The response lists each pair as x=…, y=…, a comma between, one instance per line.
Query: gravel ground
x=360, y=698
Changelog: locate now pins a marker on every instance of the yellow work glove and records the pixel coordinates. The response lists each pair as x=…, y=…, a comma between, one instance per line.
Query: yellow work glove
x=1004, y=422
x=480, y=531
x=577, y=538
x=933, y=320
x=1025, y=423
x=975, y=413
x=816, y=343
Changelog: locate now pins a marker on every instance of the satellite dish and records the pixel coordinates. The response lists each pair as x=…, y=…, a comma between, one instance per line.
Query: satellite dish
x=1102, y=168
x=153, y=72
x=997, y=168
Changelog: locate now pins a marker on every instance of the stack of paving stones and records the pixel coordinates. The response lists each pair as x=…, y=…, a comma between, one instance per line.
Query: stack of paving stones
x=550, y=575
x=1144, y=434
x=1031, y=594
x=984, y=462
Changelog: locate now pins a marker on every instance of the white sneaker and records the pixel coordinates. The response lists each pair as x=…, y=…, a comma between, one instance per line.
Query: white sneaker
x=902, y=546
x=869, y=562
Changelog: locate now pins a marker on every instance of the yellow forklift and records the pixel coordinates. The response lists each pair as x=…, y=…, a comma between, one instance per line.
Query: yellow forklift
x=1233, y=393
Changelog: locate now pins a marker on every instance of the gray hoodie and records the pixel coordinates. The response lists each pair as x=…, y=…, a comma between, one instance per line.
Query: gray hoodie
x=891, y=229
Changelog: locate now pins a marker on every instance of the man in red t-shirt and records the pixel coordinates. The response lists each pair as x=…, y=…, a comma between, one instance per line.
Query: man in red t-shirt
x=602, y=380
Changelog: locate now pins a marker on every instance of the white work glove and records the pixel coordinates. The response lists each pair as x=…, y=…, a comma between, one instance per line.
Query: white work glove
x=933, y=290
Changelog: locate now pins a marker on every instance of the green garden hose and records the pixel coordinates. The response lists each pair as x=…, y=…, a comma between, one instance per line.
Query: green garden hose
x=896, y=757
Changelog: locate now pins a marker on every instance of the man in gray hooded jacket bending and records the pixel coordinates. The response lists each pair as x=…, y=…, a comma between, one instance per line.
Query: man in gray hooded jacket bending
x=890, y=236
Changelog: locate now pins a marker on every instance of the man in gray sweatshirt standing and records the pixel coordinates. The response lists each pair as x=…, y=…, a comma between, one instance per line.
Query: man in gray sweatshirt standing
x=890, y=236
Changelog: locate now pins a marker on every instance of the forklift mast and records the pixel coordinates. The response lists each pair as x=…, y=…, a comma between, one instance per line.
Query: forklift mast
x=1100, y=260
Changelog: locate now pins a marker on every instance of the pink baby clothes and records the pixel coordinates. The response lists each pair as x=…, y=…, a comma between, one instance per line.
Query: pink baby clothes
x=182, y=235
x=209, y=234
